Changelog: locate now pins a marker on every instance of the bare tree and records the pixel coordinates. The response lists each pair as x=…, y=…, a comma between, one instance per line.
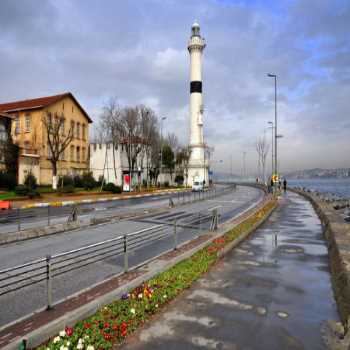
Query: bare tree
x=57, y=140
x=149, y=126
x=108, y=130
x=262, y=148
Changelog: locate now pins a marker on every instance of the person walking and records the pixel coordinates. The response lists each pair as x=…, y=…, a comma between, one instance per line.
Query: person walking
x=285, y=185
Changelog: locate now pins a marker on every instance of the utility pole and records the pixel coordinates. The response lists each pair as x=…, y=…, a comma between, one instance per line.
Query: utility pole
x=275, y=78
x=244, y=172
x=161, y=143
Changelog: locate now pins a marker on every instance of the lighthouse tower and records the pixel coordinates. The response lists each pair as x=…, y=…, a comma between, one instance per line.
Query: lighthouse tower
x=198, y=164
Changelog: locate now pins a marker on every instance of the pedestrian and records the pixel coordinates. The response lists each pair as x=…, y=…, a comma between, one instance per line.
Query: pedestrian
x=279, y=185
x=285, y=185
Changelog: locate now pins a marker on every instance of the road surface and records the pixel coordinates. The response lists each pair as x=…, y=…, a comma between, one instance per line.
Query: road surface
x=26, y=300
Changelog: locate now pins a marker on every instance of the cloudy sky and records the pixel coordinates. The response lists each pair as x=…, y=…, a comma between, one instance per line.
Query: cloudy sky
x=137, y=51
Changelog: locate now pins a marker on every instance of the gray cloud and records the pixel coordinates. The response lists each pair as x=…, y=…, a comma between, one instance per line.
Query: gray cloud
x=136, y=51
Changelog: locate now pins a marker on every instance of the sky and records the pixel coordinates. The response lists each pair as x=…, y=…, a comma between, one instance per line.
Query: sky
x=136, y=52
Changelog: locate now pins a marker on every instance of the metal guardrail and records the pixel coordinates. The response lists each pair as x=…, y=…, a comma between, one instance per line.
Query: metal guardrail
x=20, y=219
x=46, y=269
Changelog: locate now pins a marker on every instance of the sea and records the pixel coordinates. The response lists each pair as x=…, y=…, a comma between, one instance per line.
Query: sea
x=339, y=186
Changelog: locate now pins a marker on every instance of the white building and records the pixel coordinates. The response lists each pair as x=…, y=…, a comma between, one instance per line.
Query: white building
x=112, y=163
x=198, y=164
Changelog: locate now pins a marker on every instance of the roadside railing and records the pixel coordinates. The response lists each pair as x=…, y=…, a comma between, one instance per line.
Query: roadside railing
x=15, y=220
x=52, y=266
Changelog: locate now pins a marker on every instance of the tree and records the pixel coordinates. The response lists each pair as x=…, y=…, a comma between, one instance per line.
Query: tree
x=182, y=161
x=169, y=159
x=107, y=131
x=11, y=154
x=57, y=140
x=262, y=148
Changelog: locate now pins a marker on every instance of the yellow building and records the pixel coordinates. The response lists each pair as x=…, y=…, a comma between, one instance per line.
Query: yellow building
x=29, y=132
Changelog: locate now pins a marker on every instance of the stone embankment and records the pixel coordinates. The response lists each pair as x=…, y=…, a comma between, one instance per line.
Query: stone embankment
x=333, y=215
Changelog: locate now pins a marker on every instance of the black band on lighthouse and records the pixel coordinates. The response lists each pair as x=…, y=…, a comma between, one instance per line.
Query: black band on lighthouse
x=196, y=86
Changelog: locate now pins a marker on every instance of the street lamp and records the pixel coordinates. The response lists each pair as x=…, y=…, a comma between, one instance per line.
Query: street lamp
x=272, y=137
x=275, y=78
x=161, y=143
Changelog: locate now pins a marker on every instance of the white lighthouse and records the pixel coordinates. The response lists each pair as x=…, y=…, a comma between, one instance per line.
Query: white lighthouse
x=198, y=165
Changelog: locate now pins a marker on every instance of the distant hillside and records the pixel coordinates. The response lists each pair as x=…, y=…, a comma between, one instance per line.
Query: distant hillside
x=319, y=173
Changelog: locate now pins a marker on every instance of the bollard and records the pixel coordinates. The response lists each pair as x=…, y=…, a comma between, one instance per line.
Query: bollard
x=275, y=239
x=48, y=215
x=175, y=235
x=214, y=220
x=126, y=258
x=49, y=282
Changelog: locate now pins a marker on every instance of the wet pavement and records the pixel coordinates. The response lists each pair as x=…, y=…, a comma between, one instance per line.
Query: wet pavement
x=271, y=292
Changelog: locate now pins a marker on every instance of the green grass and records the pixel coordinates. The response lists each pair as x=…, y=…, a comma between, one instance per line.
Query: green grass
x=8, y=195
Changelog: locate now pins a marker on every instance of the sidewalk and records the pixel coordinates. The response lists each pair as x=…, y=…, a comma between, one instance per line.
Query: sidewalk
x=57, y=201
x=269, y=293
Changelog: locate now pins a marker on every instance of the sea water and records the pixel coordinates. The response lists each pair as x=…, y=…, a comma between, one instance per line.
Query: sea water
x=339, y=187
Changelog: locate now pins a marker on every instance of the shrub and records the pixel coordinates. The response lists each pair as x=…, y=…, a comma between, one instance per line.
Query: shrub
x=179, y=179
x=66, y=189
x=7, y=180
x=111, y=187
x=100, y=180
x=30, y=181
x=66, y=180
x=78, y=181
x=21, y=190
x=88, y=181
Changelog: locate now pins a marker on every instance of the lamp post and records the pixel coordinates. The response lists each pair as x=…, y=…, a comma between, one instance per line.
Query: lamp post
x=272, y=137
x=161, y=143
x=275, y=78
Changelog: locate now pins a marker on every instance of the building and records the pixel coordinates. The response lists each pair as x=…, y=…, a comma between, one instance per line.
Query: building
x=198, y=164
x=5, y=130
x=29, y=133
x=112, y=164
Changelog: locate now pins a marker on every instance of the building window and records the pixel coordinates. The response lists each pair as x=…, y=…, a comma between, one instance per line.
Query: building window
x=63, y=106
x=72, y=153
x=83, y=154
x=27, y=122
x=83, y=127
x=17, y=124
x=63, y=126
x=62, y=155
x=78, y=154
x=72, y=127
x=78, y=130
x=26, y=147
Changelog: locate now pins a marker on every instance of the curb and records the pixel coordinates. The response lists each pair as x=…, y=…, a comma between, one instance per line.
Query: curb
x=104, y=199
x=151, y=269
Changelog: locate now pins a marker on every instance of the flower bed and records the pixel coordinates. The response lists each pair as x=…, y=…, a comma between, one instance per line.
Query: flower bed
x=114, y=322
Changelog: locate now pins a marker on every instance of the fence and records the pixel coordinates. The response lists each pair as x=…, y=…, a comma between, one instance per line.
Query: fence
x=19, y=219
x=52, y=266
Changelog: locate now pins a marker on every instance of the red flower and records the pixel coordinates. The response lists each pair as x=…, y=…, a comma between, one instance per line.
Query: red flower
x=115, y=327
x=107, y=336
x=106, y=325
x=69, y=331
x=124, y=324
x=87, y=325
x=124, y=332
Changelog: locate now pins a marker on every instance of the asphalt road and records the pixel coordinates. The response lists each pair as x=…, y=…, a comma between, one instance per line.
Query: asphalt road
x=13, y=220
x=265, y=294
x=17, y=304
